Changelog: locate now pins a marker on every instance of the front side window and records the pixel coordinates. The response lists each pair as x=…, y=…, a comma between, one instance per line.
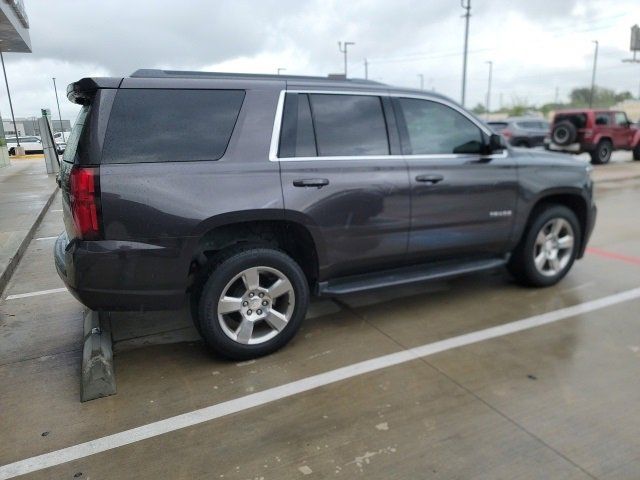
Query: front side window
x=158, y=125
x=621, y=119
x=349, y=125
x=434, y=128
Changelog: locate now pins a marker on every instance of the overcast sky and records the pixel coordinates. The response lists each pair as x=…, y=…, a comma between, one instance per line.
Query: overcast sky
x=536, y=45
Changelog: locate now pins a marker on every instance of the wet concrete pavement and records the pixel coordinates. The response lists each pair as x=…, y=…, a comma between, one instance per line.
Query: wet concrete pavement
x=555, y=401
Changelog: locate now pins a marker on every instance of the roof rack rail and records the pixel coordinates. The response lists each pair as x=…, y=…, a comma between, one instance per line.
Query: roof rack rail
x=156, y=73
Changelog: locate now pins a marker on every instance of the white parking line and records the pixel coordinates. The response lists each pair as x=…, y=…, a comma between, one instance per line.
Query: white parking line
x=57, y=210
x=253, y=400
x=35, y=294
x=47, y=238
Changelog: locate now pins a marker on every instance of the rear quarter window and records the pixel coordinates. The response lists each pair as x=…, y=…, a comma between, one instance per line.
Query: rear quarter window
x=159, y=125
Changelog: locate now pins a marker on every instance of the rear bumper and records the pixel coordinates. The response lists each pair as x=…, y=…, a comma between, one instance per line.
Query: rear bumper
x=118, y=275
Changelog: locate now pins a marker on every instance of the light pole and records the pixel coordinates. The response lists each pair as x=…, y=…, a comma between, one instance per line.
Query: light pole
x=344, y=50
x=489, y=87
x=366, y=69
x=593, y=74
x=59, y=116
x=421, y=77
x=6, y=82
x=281, y=69
x=466, y=4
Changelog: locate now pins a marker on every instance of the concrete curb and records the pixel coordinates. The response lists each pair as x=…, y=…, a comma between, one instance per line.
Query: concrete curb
x=97, y=374
x=5, y=276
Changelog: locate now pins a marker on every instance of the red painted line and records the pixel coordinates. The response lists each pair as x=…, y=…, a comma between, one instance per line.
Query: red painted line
x=613, y=255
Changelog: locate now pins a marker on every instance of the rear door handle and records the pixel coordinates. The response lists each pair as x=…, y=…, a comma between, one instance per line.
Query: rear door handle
x=431, y=179
x=311, y=182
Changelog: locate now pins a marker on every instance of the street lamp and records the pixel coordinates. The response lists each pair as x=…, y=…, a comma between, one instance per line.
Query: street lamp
x=593, y=74
x=489, y=87
x=281, y=69
x=59, y=116
x=344, y=50
x=466, y=4
x=421, y=77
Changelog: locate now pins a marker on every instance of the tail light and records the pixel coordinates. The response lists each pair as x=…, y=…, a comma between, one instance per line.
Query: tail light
x=507, y=134
x=85, y=201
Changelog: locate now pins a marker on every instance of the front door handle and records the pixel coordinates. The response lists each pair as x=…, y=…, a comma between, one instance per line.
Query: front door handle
x=311, y=182
x=431, y=179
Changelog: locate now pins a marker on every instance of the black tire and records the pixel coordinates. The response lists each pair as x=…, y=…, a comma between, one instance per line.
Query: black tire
x=602, y=152
x=12, y=151
x=226, y=268
x=636, y=152
x=564, y=133
x=522, y=264
x=521, y=144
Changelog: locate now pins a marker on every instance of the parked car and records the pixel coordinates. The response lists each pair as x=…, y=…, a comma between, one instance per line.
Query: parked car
x=525, y=132
x=245, y=194
x=597, y=132
x=32, y=145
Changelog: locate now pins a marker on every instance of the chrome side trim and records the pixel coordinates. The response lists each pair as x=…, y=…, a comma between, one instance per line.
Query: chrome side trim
x=277, y=125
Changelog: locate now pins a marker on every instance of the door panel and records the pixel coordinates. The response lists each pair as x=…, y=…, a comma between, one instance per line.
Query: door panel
x=344, y=178
x=462, y=200
x=361, y=215
x=470, y=211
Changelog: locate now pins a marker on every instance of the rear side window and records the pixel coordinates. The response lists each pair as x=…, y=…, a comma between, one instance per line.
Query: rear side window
x=74, y=137
x=349, y=125
x=578, y=119
x=602, y=119
x=158, y=125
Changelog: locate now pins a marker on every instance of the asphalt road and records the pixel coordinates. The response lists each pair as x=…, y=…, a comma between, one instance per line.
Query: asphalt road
x=558, y=399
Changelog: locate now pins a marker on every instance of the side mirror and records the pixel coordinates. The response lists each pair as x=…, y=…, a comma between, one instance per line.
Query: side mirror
x=496, y=143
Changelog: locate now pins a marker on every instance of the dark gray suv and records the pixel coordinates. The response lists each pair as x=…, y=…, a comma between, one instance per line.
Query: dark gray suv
x=244, y=194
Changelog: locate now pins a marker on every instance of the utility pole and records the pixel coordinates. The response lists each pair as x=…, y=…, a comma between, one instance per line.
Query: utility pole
x=489, y=87
x=344, y=50
x=59, y=116
x=593, y=74
x=557, y=96
x=366, y=69
x=6, y=82
x=281, y=69
x=421, y=77
x=466, y=4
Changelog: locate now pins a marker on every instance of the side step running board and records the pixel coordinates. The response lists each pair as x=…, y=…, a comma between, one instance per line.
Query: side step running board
x=406, y=275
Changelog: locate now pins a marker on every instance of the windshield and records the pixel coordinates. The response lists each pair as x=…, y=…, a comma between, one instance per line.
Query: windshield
x=74, y=137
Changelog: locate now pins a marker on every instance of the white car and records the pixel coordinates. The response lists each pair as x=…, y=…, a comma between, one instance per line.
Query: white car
x=31, y=145
x=61, y=137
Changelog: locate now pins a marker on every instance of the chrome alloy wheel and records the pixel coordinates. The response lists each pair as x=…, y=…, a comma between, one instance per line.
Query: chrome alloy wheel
x=553, y=247
x=256, y=305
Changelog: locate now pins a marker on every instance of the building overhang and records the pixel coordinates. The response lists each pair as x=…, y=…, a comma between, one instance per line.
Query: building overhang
x=14, y=27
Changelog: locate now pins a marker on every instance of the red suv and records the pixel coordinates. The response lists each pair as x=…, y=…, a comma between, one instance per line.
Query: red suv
x=597, y=132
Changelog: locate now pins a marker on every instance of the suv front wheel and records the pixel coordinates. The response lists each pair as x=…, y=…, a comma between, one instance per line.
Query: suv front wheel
x=253, y=303
x=548, y=248
x=602, y=152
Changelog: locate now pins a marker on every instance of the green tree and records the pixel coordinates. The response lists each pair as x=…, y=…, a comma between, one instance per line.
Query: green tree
x=479, y=109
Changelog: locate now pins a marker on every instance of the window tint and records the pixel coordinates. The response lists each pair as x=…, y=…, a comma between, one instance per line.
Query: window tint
x=170, y=125
x=349, y=125
x=434, y=128
x=296, y=138
x=602, y=119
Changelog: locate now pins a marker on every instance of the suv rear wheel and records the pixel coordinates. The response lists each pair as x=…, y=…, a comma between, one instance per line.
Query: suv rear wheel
x=602, y=152
x=548, y=248
x=253, y=303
